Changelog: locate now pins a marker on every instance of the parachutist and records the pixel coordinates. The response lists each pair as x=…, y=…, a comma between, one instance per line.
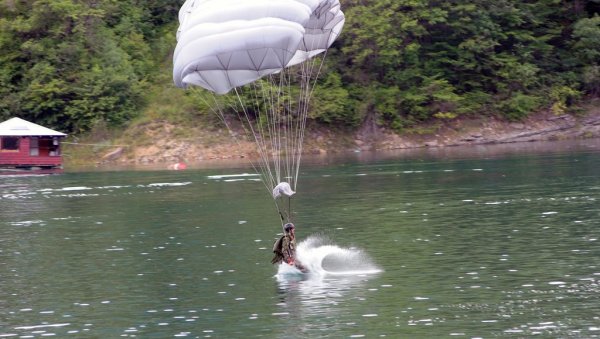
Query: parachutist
x=285, y=248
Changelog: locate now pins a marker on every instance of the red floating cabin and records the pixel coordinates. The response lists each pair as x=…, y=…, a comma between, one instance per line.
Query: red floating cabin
x=25, y=145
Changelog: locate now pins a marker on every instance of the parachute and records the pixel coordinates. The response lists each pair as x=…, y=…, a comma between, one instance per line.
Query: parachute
x=260, y=58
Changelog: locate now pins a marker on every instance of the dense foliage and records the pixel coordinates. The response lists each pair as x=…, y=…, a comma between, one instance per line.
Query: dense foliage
x=71, y=64
x=407, y=61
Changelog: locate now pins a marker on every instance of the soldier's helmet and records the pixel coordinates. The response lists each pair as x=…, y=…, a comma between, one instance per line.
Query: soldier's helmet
x=288, y=227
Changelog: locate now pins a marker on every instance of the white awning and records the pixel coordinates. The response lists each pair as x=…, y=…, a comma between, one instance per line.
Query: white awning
x=20, y=127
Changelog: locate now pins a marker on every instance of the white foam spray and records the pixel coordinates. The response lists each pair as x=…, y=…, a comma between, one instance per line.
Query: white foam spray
x=324, y=258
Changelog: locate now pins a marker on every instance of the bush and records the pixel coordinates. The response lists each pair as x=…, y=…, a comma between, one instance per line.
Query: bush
x=519, y=106
x=562, y=97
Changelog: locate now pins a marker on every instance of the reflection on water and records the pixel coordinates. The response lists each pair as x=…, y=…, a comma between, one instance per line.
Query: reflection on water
x=468, y=247
x=335, y=275
x=315, y=302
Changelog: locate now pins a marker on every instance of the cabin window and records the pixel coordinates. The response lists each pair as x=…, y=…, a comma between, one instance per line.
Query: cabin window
x=55, y=149
x=10, y=144
x=34, y=146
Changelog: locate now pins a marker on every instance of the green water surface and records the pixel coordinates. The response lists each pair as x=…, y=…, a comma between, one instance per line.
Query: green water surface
x=473, y=247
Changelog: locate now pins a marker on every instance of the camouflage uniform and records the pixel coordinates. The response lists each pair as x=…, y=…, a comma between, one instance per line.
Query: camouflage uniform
x=285, y=250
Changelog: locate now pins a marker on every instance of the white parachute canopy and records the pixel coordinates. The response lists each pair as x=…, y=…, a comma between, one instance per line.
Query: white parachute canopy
x=223, y=44
x=264, y=52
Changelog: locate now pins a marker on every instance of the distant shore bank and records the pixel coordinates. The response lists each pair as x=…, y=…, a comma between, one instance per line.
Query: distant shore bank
x=216, y=149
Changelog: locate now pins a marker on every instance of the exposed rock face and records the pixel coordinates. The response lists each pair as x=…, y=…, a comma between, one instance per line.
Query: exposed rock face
x=113, y=155
x=540, y=127
x=164, y=145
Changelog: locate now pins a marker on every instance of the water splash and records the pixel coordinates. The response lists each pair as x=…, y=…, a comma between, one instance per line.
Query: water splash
x=324, y=258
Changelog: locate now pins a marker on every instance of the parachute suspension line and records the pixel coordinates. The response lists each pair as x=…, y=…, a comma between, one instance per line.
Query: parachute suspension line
x=282, y=126
x=303, y=111
x=290, y=122
x=307, y=89
x=263, y=167
x=268, y=126
x=261, y=140
x=306, y=70
x=246, y=121
x=290, y=119
x=296, y=127
x=301, y=121
x=217, y=109
x=320, y=68
x=276, y=135
x=277, y=117
x=279, y=130
x=278, y=127
x=285, y=123
x=265, y=122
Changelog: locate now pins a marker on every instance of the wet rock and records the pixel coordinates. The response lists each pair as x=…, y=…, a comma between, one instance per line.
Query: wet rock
x=477, y=137
x=557, y=117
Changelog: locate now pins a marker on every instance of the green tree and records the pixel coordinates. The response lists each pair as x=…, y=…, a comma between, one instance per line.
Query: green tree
x=586, y=33
x=72, y=64
x=66, y=68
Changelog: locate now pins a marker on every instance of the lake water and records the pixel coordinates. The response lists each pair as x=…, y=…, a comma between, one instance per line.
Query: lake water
x=473, y=246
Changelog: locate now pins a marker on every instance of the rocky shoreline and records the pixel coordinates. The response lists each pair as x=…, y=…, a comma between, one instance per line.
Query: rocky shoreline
x=541, y=127
x=167, y=149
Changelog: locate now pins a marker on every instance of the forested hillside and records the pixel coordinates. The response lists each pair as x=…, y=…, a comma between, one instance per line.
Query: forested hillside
x=72, y=64
x=75, y=64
